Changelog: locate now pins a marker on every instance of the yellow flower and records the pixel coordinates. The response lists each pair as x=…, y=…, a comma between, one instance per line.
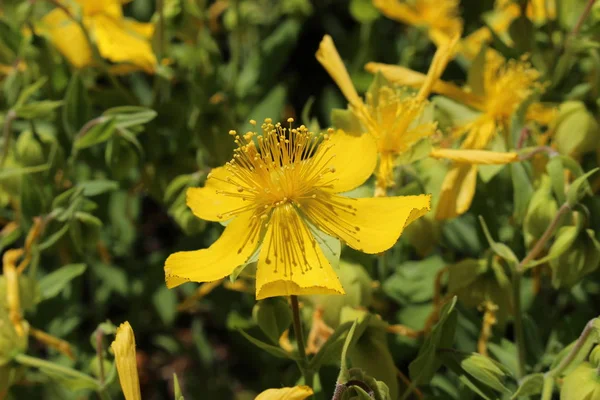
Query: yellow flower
x=504, y=86
x=439, y=17
x=278, y=191
x=394, y=118
x=286, y=393
x=121, y=40
x=124, y=349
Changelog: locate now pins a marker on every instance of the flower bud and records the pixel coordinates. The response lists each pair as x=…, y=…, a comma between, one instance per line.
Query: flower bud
x=29, y=150
x=581, y=383
x=542, y=209
x=576, y=130
x=577, y=253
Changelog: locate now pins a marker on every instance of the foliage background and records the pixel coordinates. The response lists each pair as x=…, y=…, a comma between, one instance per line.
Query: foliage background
x=226, y=63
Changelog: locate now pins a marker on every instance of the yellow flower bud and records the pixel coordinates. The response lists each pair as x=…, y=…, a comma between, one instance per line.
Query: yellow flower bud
x=124, y=349
x=286, y=393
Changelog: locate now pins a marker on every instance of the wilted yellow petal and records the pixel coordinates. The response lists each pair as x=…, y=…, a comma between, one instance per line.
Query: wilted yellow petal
x=124, y=349
x=407, y=77
x=370, y=225
x=289, y=242
x=479, y=132
x=207, y=203
x=236, y=244
x=483, y=157
x=352, y=158
x=330, y=59
x=67, y=37
x=13, y=299
x=286, y=393
x=121, y=46
x=457, y=191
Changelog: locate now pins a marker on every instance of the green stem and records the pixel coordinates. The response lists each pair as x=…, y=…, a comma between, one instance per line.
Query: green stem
x=516, y=281
x=303, y=363
x=34, y=362
x=547, y=388
x=519, y=332
x=382, y=266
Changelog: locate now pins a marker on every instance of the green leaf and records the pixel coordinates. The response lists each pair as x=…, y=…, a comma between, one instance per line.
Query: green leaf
x=557, y=177
x=480, y=374
x=165, y=303
x=128, y=116
x=499, y=248
x=346, y=121
x=32, y=199
x=271, y=106
x=99, y=133
x=427, y=363
x=331, y=350
x=273, y=316
x=77, y=107
x=176, y=388
x=580, y=188
x=530, y=385
x=98, y=186
x=273, y=350
x=522, y=189
x=30, y=91
x=39, y=109
x=54, y=283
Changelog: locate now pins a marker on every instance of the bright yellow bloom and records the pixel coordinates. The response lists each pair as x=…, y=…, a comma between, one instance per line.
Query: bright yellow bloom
x=278, y=191
x=286, y=393
x=439, y=17
x=124, y=349
x=393, y=117
x=121, y=40
x=504, y=86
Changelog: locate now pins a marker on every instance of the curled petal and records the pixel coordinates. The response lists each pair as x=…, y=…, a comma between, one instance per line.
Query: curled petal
x=291, y=262
x=482, y=157
x=237, y=243
x=457, y=191
x=330, y=59
x=370, y=225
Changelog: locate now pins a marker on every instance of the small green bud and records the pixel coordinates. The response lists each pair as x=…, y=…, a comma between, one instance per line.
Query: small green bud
x=582, y=383
x=542, y=209
x=576, y=130
x=595, y=356
x=29, y=150
x=576, y=253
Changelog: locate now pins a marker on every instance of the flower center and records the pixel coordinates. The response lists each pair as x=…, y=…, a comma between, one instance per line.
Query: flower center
x=278, y=167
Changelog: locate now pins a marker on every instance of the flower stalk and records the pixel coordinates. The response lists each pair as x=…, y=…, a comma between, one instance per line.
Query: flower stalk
x=298, y=332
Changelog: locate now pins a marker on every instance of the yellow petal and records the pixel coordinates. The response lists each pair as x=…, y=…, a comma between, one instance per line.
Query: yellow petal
x=286, y=393
x=330, y=59
x=121, y=46
x=291, y=262
x=457, y=191
x=352, y=158
x=398, y=11
x=479, y=132
x=67, y=37
x=541, y=113
x=440, y=60
x=143, y=29
x=236, y=244
x=124, y=349
x=370, y=225
x=208, y=204
x=107, y=7
x=407, y=77
x=483, y=157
